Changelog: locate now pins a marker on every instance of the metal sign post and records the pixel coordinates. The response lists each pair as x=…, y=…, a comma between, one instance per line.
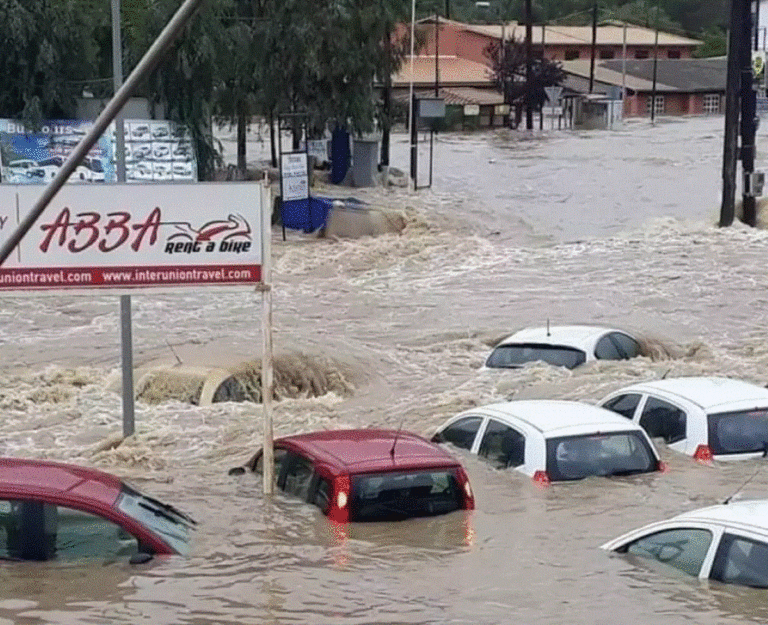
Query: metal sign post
x=267, y=379
x=431, y=109
x=126, y=330
x=294, y=166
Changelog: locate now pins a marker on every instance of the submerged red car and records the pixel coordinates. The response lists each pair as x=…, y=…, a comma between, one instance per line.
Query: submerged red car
x=369, y=474
x=55, y=510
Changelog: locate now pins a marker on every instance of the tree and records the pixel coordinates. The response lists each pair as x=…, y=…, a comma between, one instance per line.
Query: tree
x=235, y=99
x=509, y=74
x=185, y=81
x=715, y=43
x=46, y=54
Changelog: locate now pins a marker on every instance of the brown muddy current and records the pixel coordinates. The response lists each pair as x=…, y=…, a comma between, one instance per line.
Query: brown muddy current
x=613, y=227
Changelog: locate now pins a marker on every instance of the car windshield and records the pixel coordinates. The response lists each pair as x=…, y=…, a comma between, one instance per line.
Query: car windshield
x=738, y=432
x=616, y=453
x=159, y=518
x=517, y=355
x=396, y=496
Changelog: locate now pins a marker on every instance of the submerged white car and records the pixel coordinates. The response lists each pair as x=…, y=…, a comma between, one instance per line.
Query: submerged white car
x=563, y=346
x=728, y=543
x=551, y=440
x=705, y=417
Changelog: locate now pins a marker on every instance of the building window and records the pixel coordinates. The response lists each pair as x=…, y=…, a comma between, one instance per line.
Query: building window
x=606, y=54
x=673, y=54
x=711, y=103
x=641, y=53
x=658, y=109
x=571, y=54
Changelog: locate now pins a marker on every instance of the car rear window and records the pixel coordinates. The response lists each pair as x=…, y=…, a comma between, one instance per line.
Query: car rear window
x=395, y=496
x=738, y=432
x=616, y=453
x=519, y=354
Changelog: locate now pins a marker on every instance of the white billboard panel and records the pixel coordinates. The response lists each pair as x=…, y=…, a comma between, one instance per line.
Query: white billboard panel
x=295, y=176
x=155, y=150
x=134, y=236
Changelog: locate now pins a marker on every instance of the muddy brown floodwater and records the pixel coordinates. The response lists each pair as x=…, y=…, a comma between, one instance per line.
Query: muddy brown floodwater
x=613, y=227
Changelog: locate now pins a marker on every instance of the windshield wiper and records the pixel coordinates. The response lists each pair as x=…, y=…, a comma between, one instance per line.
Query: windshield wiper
x=163, y=506
x=170, y=508
x=167, y=512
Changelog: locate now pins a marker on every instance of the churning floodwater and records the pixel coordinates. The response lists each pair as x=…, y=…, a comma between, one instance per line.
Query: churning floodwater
x=612, y=227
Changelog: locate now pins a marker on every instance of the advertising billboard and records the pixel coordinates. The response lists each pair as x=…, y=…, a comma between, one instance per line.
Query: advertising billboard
x=134, y=236
x=155, y=150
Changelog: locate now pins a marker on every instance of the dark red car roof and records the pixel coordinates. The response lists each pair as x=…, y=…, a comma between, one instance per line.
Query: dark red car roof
x=368, y=450
x=21, y=477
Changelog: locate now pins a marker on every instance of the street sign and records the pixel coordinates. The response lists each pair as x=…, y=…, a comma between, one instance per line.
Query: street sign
x=553, y=94
x=294, y=175
x=758, y=67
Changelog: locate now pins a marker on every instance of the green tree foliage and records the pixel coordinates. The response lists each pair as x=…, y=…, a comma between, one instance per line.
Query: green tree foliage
x=510, y=73
x=693, y=17
x=186, y=79
x=46, y=52
x=715, y=43
x=321, y=57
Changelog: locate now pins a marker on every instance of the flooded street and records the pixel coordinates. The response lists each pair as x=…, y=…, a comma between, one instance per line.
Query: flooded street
x=609, y=227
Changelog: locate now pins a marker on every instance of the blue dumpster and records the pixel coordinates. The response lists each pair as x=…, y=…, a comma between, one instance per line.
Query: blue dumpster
x=307, y=215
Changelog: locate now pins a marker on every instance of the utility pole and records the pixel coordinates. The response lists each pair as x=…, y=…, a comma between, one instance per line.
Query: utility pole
x=594, y=46
x=739, y=105
x=732, y=90
x=528, y=66
x=655, y=63
x=386, y=102
x=748, y=120
x=730, y=142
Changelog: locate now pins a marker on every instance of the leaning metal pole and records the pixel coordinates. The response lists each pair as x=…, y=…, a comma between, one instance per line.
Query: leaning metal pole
x=148, y=62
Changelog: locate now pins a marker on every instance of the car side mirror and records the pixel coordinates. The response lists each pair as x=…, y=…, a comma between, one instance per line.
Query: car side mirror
x=140, y=558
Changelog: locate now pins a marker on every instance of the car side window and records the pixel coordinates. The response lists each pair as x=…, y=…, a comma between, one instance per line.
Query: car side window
x=684, y=548
x=279, y=456
x=502, y=445
x=662, y=419
x=625, y=405
x=33, y=530
x=627, y=346
x=741, y=560
x=461, y=433
x=606, y=350
x=321, y=495
x=298, y=475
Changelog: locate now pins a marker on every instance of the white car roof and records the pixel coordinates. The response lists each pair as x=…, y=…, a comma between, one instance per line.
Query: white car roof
x=712, y=394
x=575, y=336
x=744, y=513
x=557, y=417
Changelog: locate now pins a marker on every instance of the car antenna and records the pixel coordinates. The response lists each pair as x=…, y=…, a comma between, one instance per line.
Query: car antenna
x=548, y=326
x=666, y=373
x=748, y=480
x=174, y=352
x=394, y=442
